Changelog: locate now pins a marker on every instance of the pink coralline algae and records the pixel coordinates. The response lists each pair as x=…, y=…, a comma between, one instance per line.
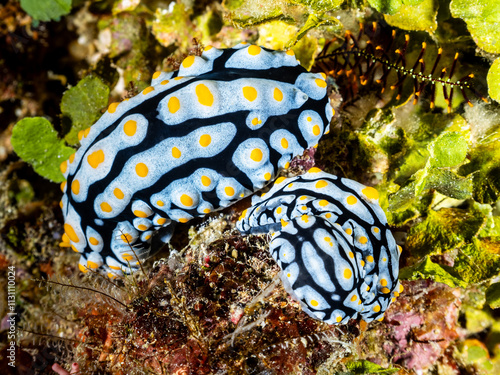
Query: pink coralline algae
x=422, y=323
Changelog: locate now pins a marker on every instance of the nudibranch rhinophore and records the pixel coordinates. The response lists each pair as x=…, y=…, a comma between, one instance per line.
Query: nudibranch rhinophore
x=331, y=239
x=195, y=141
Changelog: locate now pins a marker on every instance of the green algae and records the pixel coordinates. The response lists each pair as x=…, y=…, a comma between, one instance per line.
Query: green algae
x=46, y=10
x=320, y=6
x=484, y=166
x=427, y=269
x=493, y=295
x=83, y=104
x=448, y=150
x=36, y=142
x=482, y=18
x=362, y=367
x=415, y=15
x=494, y=80
x=456, y=232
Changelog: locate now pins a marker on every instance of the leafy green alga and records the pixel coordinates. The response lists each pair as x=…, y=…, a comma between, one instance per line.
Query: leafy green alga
x=493, y=295
x=276, y=34
x=456, y=232
x=482, y=18
x=492, y=227
x=314, y=20
x=448, y=150
x=46, y=10
x=320, y=6
x=477, y=319
x=426, y=269
x=475, y=353
x=36, y=142
x=304, y=50
x=494, y=80
x=428, y=126
x=252, y=13
x=209, y=23
x=391, y=6
x=386, y=6
x=484, y=165
x=443, y=181
x=233, y=4
x=363, y=367
x=83, y=104
x=444, y=230
x=416, y=15
x=279, y=35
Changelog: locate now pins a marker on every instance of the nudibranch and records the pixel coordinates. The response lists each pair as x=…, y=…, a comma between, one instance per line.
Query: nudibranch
x=195, y=141
x=331, y=239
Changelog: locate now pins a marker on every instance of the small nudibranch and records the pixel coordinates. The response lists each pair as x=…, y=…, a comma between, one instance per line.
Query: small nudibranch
x=197, y=140
x=331, y=239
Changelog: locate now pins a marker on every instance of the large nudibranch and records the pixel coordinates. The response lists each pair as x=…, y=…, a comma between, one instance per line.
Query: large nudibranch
x=195, y=141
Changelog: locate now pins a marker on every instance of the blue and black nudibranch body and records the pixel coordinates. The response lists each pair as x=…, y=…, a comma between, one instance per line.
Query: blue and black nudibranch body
x=332, y=242
x=195, y=141
x=213, y=132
